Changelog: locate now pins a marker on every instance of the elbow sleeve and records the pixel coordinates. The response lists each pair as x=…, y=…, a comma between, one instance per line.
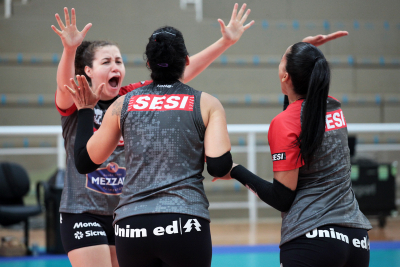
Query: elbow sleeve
x=84, y=131
x=220, y=166
x=274, y=194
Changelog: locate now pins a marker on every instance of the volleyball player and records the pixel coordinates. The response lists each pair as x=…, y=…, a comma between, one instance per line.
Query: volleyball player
x=162, y=218
x=88, y=201
x=321, y=221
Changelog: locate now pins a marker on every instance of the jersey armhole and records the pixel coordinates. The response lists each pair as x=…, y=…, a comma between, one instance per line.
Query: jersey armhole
x=65, y=112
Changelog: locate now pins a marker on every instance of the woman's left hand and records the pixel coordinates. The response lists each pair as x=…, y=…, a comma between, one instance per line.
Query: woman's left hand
x=227, y=176
x=320, y=39
x=82, y=94
x=234, y=30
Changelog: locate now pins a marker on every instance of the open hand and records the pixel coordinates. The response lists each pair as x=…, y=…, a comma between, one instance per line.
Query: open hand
x=82, y=94
x=69, y=34
x=234, y=30
x=320, y=39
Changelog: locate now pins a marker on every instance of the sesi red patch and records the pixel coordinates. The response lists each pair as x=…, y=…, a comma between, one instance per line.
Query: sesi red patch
x=161, y=102
x=334, y=120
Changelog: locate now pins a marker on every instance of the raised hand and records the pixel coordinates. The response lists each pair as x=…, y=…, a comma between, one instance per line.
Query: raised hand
x=322, y=39
x=82, y=94
x=234, y=30
x=69, y=34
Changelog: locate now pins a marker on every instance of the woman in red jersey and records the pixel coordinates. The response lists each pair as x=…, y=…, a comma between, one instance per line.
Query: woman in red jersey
x=322, y=225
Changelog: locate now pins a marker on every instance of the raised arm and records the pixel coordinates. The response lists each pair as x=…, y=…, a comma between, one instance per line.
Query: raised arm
x=318, y=40
x=230, y=35
x=91, y=150
x=71, y=38
x=321, y=39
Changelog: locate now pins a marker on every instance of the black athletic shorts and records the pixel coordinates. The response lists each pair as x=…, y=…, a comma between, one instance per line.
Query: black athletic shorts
x=85, y=230
x=163, y=240
x=328, y=246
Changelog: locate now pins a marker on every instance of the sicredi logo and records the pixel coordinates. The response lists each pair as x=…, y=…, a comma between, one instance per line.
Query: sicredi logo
x=334, y=120
x=90, y=233
x=279, y=156
x=78, y=235
x=161, y=102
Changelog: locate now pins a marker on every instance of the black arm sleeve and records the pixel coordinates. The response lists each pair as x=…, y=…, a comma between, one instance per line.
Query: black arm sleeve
x=84, y=131
x=219, y=166
x=274, y=194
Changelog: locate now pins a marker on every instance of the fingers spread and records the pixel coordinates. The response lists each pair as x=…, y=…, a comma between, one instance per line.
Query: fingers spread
x=70, y=90
x=222, y=24
x=56, y=30
x=241, y=11
x=86, y=29
x=99, y=90
x=82, y=91
x=234, y=12
x=87, y=90
x=76, y=88
x=248, y=25
x=73, y=17
x=245, y=16
x=67, y=22
x=60, y=23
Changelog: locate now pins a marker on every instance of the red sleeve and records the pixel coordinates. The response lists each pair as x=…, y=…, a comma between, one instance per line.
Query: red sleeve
x=130, y=87
x=282, y=136
x=65, y=112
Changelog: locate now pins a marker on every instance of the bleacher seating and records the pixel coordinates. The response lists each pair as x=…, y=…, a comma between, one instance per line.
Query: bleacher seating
x=365, y=64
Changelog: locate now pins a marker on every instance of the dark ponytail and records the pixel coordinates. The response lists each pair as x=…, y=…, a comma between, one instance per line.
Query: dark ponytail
x=85, y=55
x=310, y=75
x=166, y=55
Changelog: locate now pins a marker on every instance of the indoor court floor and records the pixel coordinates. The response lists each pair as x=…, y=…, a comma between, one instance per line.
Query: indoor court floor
x=231, y=247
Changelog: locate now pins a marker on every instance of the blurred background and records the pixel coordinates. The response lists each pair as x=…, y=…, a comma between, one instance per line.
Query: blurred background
x=365, y=78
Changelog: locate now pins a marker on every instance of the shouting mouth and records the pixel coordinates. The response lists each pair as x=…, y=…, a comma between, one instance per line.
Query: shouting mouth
x=114, y=81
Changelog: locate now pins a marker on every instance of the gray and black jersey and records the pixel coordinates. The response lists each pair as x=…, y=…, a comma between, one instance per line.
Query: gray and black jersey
x=97, y=192
x=323, y=194
x=164, y=149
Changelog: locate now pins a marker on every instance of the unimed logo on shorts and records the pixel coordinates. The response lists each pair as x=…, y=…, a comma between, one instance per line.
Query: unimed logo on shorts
x=161, y=102
x=174, y=228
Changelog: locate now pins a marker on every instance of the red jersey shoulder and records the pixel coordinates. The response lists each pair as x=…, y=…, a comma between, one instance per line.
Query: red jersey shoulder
x=130, y=87
x=66, y=112
x=290, y=116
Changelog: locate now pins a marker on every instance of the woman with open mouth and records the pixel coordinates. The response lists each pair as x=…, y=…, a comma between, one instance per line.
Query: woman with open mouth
x=88, y=201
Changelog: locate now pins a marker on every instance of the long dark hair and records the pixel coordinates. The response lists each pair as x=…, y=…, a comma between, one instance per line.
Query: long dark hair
x=85, y=54
x=310, y=75
x=166, y=55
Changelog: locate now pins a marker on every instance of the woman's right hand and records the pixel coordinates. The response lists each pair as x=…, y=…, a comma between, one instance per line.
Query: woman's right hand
x=82, y=94
x=69, y=34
